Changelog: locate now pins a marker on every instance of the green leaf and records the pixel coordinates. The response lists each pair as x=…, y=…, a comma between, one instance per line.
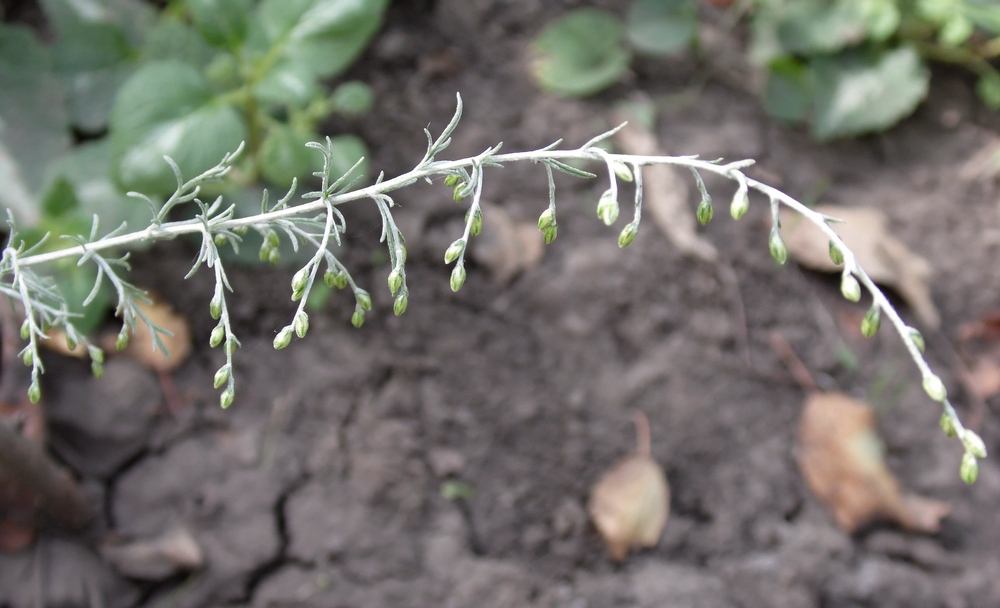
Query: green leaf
x=806, y=27
x=166, y=109
x=955, y=31
x=33, y=124
x=352, y=98
x=322, y=36
x=988, y=90
x=95, y=59
x=170, y=39
x=60, y=199
x=223, y=23
x=984, y=13
x=860, y=92
x=75, y=284
x=288, y=84
x=580, y=54
x=284, y=156
x=134, y=17
x=662, y=27
x=788, y=92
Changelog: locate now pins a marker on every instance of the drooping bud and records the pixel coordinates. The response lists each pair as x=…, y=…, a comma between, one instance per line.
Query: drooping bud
x=241, y=230
x=777, y=246
x=836, y=255
x=273, y=257
x=265, y=252
x=705, y=212
x=546, y=219
x=395, y=281
x=451, y=180
x=477, y=223
x=871, y=322
x=284, y=338
x=28, y=356
x=622, y=171
x=918, y=339
x=550, y=234
x=948, y=425
x=399, y=306
x=364, y=299
x=628, y=235
x=457, y=277
x=122, y=340
x=218, y=334
x=329, y=278
x=70, y=343
x=273, y=239
x=25, y=329
x=850, y=288
x=220, y=240
x=741, y=203
x=97, y=368
x=301, y=324
x=969, y=469
x=97, y=355
x=935, y=388
x=974, y=444
x=358, y=318
x=221, y=376
x=607, y=208
x=454, y=250
x=299, y=280
x=215, y=306
x=226, y=398
x=460, y=192
x=34, y=392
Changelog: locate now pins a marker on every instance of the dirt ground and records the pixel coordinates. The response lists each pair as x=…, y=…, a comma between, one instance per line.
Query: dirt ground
x=323, y=484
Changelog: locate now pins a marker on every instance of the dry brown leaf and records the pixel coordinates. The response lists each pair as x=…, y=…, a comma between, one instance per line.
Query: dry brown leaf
x=57, y=343
x=176, y=550
x=140, y=346
x=629, y=505
x=884, y=257
x=843, y=463
x=506, y=247
x=979, y=346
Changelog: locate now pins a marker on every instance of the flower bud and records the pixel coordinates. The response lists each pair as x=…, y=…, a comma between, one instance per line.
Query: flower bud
x=402, y=301
x=935, y=388
x=300, y=279
x=96, y=354
x=477, y=223
x=872, y=321
x=628, y=235
x=34, y=392
x=948, y=425
x=460, y=192
x=70, y=343
x=454, y=250
x=973, y=444
x=451, y=180
x=97, y=369
x=607, y=208
x=364, y=300
x=395, y=281
x=457, y=277
x=622, y=171
x=301, y=324
x=25, y=330
x=740, y=204
x=777, y=246
x=836, y=255
x=221, y=376
x=329, y=278
x=241, y=230
x=122, y=341
x=273, y=257
x=546, y=219
x=265, y=252
x=918, y=339
x=220, y=240
x=969, y=470
x=230, y=346
x=358, y=318
x=850, y=288
x=550, y=234
x=273, y=239
x=705, y=212
x=226, y=398
x=217, y=336
x=28, y=356
x=215, y=306
x=284, y=338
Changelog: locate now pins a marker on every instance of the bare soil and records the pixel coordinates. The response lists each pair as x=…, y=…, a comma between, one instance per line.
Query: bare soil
x=322, y=485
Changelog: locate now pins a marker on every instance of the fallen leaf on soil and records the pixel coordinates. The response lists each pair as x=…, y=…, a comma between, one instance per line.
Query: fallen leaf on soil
x=176, y=550
x=506, y=247
x=57, y=343
x=884, y=257
x=665, y=193
x=979, y=346
x=629, y=505
x=140, y=346
x=843, y=463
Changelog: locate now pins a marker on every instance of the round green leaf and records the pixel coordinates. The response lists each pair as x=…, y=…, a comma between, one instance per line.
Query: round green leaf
x=352, y=98
x=223, y=23
x=580, y=54
x=284, y=156
x=788, y=92
x=806, y=27
x=662, y=27
x=166, y=109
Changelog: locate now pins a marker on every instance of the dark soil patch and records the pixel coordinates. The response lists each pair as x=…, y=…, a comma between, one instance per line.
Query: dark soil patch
x=322, y=485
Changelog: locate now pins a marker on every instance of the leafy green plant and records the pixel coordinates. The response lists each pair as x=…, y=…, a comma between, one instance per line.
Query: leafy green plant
x=316, y=225
x=846, y=67
x=191, y=82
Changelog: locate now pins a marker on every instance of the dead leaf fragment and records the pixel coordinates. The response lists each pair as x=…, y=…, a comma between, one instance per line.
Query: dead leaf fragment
x=140, y=346
x=505, y=246
x=630, y=503
x=176, y=550
x=884, y=257
x=842, y=460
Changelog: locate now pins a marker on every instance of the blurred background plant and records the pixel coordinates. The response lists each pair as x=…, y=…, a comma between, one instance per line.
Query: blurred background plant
x=88, y=114
x=844, y=67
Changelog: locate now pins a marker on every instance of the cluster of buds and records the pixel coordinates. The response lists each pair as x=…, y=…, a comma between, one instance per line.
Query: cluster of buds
x=269, y=248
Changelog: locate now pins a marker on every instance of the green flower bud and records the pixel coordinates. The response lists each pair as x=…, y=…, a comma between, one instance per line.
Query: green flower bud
x=226, y=398
x=607, y=208
x=25, y=330
x=935, y=388
x=850, y=288
x=948, y=425
x=122, y=341
x=215, y=306
x=28, y=356
x=330, y=278
x=340, y=280
x=273, y=257
x=741, y=203
x=395, y=281
x=364, y=300
x=460, y=192
x=550, y=234
x=872, y=321
x=220, y=240
x=457, y=277
x=300, y=279
x=71, y=343
x=34, y=392
x=217, y=336
x=273, y=239
x=265, y=252
x=230, y=347
x=622, y=171
x=402, y=301
x=241, y=230
x=221, y=376
x=96, y=354
x=836, y=255
x=97, y=369
x=777, y=246
x=969, y=470
x=918, y=339
x=546, y=219
x=628, y=235
x=477, y=223
x=301, y=324
x=451, y=180
x=974, y=444
x=297, y=295
x=358, y=318
x=705, y=212
x=284, y=338
x=454, y=250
